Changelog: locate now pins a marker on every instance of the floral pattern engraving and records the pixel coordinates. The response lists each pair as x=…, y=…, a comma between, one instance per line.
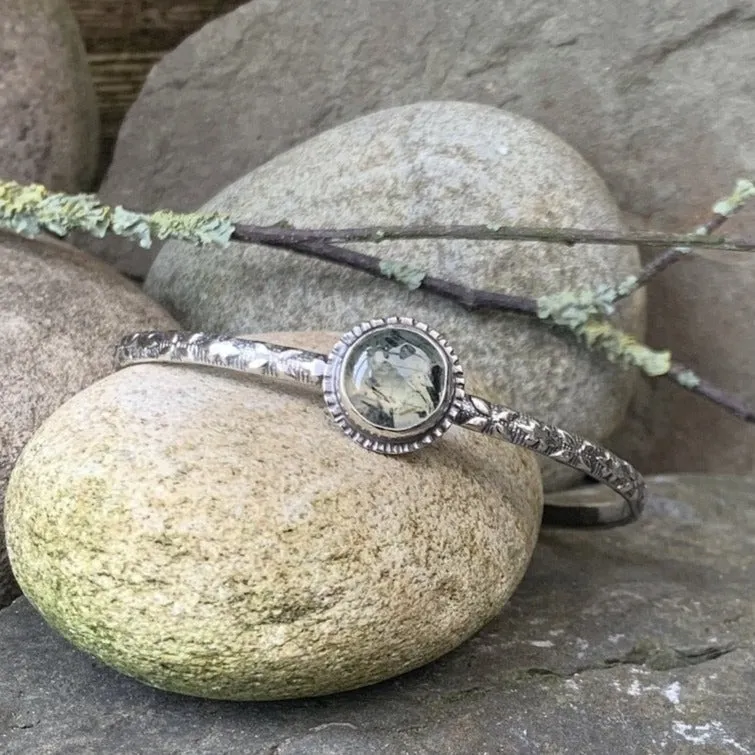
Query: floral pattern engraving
x=560, y=445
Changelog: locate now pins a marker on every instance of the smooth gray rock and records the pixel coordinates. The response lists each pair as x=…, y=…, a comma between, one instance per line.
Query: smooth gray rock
x=657, y=96
x=49, y=132
x=61, y=314
x=639, y=640
x=434, y=160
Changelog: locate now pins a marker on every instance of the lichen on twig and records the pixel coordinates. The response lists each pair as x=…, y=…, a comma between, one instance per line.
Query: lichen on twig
x=410, y=276
x=572, y=309
x=32, y=210
x=744, y=191
x=623, y=348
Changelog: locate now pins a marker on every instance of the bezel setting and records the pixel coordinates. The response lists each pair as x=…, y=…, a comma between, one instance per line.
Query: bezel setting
x=380, y=439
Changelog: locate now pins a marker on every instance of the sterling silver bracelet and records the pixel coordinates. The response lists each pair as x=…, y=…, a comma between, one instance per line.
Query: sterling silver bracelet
x=395, y=385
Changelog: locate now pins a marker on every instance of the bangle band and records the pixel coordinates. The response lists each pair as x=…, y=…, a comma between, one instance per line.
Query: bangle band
x=394, y=385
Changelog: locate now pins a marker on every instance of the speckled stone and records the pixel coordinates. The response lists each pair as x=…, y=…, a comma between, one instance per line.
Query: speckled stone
x=217, y=535
x=440, y=161
x=635, y=640
x=49, y=132
x=61, y=313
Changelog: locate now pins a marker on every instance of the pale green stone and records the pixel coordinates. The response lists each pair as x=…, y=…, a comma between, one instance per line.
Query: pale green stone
x=395, y=378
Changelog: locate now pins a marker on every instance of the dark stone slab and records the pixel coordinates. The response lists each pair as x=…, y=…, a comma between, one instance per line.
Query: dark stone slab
x=636, y=640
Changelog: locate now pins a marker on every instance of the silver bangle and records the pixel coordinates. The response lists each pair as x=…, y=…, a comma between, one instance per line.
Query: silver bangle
x=394, y=385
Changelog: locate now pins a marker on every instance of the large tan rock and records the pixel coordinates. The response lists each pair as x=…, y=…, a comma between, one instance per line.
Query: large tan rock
x=429, y=162
x=61, y=313
x=217, y=535
x=49, y=130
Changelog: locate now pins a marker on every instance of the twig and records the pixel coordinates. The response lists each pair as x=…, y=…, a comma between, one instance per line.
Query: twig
x=722, y=211
x=668, y=257
x=569, y=236
x=688, y=379
x=29, y=209
x=470, y=298
x=615, y=344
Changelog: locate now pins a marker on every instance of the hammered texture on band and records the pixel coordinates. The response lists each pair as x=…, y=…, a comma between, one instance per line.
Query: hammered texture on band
x=228, y=352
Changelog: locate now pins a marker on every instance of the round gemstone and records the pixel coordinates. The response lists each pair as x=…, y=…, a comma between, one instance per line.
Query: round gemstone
x=395, y=378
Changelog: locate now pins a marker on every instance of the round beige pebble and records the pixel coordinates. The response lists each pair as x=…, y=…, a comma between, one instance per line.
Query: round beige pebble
x=61, y=313
x=216, y=535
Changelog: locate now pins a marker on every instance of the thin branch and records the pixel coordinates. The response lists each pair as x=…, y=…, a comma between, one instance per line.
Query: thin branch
x=722, y=211
x=477, y=299
x=470, y=298
x=665, y=259
x=689, y=380
x=32, y=210
x=284, y=235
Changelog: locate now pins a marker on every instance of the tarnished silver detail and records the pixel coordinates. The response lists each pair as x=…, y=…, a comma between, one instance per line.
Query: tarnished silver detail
x=470, y=412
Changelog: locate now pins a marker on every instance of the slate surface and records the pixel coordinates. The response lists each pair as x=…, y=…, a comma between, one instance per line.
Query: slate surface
x=635, y=640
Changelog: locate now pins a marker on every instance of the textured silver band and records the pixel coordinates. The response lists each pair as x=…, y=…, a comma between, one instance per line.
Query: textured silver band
x=255, y=357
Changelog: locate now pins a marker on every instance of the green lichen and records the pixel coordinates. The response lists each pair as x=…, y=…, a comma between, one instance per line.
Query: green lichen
x=32, y=210
x=132, y=225
x=626, y=286
x=584, y=313
x=410, y=276
x=743, y=191
x=623, y=348
x=688, y=379
x=574, y=308
x=200, y=229
x=571, y=309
